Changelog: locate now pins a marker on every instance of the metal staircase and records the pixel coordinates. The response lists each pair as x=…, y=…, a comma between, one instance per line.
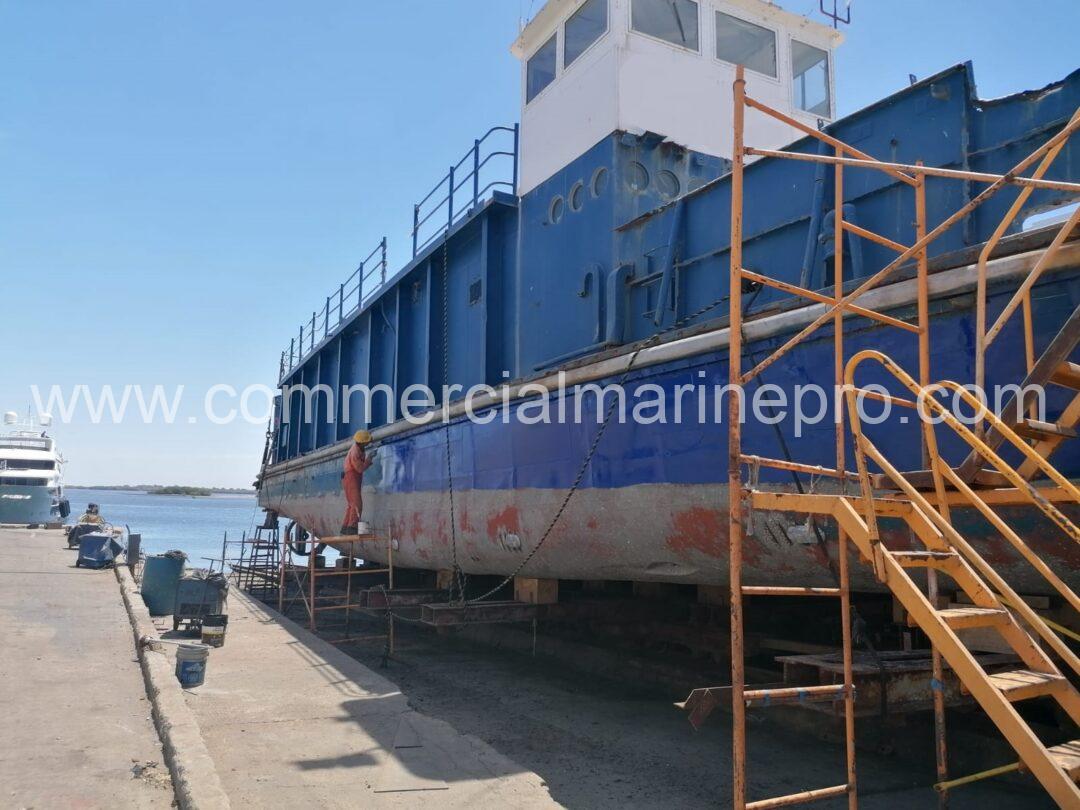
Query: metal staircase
x=949, y=554
x=922, y=499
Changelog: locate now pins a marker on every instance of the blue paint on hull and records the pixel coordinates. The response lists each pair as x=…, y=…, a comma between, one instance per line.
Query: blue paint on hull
x=656, y=477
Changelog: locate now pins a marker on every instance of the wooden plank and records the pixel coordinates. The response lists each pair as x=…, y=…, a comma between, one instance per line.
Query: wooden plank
x=543, y=591
x=1022, y=684
x=964, y=617
x=1067, y=375
x=1067, y=756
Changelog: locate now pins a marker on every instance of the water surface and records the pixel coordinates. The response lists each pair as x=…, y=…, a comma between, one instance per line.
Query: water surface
x=195, y=526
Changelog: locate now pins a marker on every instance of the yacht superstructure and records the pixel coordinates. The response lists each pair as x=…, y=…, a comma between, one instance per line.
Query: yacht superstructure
x=31, y=485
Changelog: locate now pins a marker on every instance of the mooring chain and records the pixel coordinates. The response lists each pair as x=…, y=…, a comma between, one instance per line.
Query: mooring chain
x=583, y=468
x=458, y=581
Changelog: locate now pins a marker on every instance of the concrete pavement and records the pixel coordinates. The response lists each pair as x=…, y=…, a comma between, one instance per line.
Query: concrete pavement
x=292, y=722
x=75, y=727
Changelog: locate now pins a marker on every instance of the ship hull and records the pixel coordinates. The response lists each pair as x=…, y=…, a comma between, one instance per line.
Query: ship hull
x=653, y=502
x=28, y=506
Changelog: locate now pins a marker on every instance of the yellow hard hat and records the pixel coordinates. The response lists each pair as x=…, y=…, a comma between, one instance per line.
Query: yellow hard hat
x=362, y=437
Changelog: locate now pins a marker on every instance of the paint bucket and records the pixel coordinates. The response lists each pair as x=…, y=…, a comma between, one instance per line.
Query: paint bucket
x=213, y=630
x=191, y=665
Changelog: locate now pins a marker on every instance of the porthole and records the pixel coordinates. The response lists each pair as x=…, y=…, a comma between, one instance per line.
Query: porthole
x=667, y=183
x=637, y=176
x=599, y=182
x=556, y=210
x=577, y=196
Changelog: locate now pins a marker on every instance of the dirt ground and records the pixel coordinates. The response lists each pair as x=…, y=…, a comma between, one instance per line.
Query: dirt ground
x=598, y=742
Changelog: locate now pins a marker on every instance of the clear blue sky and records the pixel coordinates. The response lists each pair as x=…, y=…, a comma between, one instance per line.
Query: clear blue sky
x=180, y=182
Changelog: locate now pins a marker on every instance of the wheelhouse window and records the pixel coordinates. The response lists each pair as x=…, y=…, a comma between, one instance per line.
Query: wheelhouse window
x=810, y=79
x=674, y=21
x=540, y=70
x=743, y=43
x=585, y=26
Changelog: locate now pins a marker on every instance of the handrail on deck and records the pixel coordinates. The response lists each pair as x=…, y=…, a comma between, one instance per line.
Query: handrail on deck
x=352, y=294
x=445, y=192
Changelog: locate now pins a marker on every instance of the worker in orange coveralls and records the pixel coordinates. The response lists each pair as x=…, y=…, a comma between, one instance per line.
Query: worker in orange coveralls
x=357, y=462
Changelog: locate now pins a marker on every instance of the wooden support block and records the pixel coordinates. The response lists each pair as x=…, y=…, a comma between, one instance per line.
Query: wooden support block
x=444, y=579
x=536, y=591
x=713, y=595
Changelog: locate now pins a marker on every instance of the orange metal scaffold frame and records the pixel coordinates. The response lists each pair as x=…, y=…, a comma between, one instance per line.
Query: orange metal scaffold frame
x=858, y=514
x=315, y=604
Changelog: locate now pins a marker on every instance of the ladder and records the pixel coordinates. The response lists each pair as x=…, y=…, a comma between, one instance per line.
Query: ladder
x=994, y=604
x=259, y=570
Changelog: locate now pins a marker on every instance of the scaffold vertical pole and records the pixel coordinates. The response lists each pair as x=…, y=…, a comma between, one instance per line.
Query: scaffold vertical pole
x=841, y=464
x=735, y=539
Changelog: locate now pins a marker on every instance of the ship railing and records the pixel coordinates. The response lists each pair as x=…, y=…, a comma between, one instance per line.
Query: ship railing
x=349, y=297
x=466, y=184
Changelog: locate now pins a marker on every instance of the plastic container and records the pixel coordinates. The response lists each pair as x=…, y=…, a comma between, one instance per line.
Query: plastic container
x=213, y=630
x=160, y=577
x=191, y=665
x=96, y=550
x=199, y=593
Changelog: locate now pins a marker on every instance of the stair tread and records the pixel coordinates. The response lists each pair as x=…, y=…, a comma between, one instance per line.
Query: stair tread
x=1067, y=374
x=1034, y=429
x=926, y=559
x=1025, y=681
x=924, y=480
x=1048, y=364
x=971, y=611
x=1067, y=756
x=960, y=618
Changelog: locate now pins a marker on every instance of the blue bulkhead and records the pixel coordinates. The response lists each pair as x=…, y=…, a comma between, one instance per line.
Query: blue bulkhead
x=787, y=211
x=632, y=237
x=396, y=340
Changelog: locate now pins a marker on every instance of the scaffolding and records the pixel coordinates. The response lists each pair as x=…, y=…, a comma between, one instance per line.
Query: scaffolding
x=921, y=498
x=352, y=564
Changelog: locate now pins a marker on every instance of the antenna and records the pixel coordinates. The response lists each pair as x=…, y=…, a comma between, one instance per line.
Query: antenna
x=835, y=15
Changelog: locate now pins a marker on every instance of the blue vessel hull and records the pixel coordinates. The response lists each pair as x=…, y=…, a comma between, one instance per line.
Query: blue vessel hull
x=559, y=279
x=653, y=502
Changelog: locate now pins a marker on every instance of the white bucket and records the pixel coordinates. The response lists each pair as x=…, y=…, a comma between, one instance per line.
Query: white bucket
x=191, y=664
x=363, y=528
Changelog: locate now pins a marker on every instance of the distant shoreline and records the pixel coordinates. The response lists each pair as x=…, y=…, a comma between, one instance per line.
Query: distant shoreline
x=158, y=489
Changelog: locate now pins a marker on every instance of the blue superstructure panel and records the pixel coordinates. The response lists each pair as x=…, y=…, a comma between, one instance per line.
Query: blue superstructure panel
x=633, y=236
x=355, y=370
